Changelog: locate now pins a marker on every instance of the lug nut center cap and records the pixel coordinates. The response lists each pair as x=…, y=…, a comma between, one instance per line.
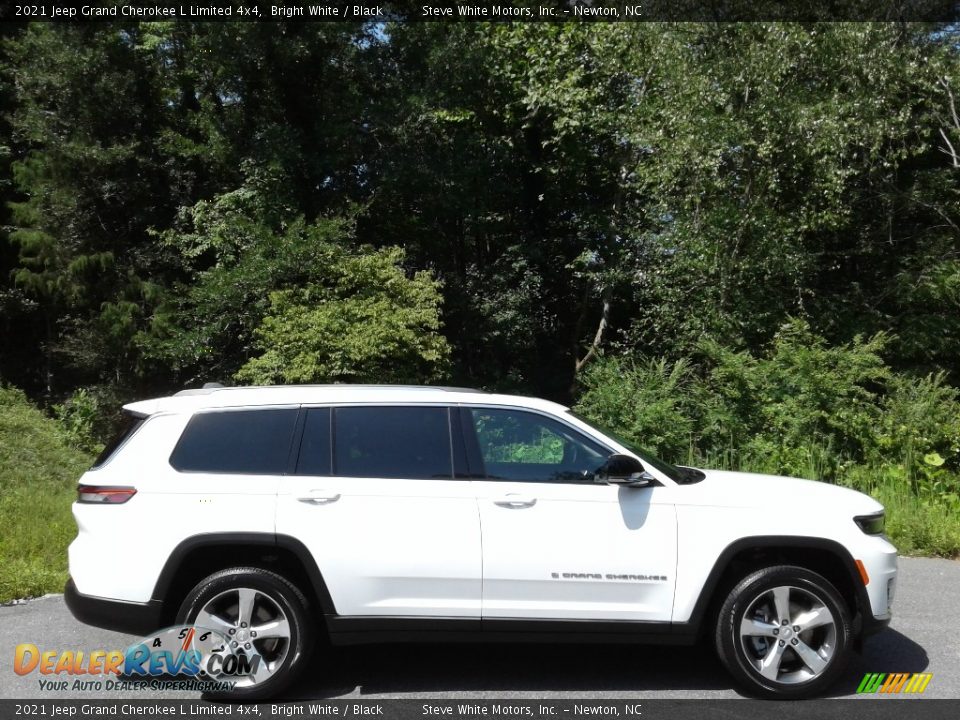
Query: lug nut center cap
x=242, y=635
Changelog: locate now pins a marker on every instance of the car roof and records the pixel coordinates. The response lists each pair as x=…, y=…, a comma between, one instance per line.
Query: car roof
x=234, y=397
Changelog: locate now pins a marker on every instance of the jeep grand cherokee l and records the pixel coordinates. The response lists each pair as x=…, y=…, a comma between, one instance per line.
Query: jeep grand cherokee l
x=387, y=513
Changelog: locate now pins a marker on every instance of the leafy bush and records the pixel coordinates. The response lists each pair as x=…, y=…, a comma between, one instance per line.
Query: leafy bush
x=38, y=474
x=806, y=409
x=920, y=425
x=802, y=400
x=78, y=417
x=796, y=406
x=647, y=401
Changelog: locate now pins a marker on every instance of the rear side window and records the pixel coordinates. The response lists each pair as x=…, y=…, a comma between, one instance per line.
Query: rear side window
x=131, y=423
x=255, y=442
x=392, y=442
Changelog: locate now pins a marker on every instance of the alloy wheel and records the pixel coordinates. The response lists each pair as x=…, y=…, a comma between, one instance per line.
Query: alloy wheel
x=255, y=626
x=788, y=635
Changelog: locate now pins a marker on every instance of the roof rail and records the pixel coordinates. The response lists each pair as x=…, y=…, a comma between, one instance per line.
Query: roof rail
x=213, y=387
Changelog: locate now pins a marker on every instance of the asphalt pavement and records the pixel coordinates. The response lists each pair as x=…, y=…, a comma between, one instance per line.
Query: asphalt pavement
x=923, y=637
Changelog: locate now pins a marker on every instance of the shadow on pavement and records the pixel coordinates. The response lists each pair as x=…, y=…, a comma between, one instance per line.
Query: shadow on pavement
x=503, y=668
x=550, y=669
x=886, y=652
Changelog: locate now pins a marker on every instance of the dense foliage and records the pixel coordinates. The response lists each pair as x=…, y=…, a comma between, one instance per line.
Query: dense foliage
x=38, y=475
x=738, y=243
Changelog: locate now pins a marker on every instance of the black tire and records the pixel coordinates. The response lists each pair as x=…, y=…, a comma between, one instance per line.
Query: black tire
x=795, y=678
x=270, y=589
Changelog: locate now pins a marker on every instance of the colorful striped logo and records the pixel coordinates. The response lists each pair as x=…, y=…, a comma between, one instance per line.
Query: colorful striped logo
x=891, y=683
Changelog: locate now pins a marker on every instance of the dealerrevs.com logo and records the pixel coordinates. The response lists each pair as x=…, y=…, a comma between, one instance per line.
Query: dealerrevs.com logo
x=181, y=658
x=894, y=683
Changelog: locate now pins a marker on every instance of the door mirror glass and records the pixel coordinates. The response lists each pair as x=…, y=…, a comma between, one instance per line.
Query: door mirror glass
x=625, y=471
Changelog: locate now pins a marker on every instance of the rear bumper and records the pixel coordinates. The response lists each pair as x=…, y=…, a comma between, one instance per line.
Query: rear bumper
x=128, y=617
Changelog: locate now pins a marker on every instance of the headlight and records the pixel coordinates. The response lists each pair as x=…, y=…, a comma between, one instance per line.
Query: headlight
x=871, y=524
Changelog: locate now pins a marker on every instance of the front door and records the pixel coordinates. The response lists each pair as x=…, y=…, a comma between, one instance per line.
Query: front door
x=557, y=545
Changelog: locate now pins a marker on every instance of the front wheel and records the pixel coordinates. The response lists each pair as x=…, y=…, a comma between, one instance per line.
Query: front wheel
x=784, y=633
x=264, y=619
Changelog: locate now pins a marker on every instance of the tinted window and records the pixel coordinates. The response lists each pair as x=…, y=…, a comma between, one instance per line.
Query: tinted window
x=128, y=427
x=244, y=441
x=392, y=442
x=315, y=447
x=528, y=447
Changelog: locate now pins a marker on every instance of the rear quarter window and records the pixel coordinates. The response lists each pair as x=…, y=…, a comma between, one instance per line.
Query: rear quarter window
x=129, y=425
x=252, y=442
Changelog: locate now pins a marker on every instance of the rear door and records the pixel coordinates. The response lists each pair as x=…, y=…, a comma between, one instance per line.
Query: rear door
x=380, y=498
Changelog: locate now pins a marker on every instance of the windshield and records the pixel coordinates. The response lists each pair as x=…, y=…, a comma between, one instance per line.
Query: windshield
x=682, y=475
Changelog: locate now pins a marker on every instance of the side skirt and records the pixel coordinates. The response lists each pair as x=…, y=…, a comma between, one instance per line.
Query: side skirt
x=374, y=630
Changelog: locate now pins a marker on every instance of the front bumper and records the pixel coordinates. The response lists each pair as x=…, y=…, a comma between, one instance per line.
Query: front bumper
x=128, y=617
x=871, y=626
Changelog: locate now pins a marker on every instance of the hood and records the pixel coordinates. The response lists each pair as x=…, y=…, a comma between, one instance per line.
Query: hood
x=740, y=489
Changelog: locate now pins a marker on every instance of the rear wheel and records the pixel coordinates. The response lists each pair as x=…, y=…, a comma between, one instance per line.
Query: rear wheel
x=784, y=632
x=265, y=621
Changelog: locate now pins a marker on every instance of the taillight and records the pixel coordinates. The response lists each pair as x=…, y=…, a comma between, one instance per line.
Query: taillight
x=104, y=494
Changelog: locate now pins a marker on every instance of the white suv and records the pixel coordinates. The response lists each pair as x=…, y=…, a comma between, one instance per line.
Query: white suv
x=361, y=514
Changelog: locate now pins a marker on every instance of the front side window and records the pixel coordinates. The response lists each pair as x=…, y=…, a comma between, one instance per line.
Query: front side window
x=255, y=442
x=392, y=442
x=527, y=447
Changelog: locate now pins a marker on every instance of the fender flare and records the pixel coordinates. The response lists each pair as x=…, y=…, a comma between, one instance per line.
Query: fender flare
x=786, y=542
x=266, y=540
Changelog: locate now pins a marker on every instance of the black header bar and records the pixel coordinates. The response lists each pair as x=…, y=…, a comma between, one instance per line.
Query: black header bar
x=935, y=11
x=468, y=709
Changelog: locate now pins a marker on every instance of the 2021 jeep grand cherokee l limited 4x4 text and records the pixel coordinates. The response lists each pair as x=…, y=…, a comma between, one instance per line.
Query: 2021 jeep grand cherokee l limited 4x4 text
x=374, y=513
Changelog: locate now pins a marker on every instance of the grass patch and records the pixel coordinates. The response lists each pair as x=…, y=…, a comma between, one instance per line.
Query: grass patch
x=38, y=477
x=919, y=521
x=919, y=528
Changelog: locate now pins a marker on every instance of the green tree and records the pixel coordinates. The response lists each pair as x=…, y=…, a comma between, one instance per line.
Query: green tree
x=122, y=127
x=365, y=321
x=794, y=170
x=279, y=299
x=501, y=169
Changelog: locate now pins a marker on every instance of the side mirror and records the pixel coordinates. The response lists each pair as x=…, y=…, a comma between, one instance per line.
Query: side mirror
x=625, y=471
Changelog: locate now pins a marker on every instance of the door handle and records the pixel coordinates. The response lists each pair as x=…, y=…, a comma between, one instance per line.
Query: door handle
x=514, y=500
x=319, y=497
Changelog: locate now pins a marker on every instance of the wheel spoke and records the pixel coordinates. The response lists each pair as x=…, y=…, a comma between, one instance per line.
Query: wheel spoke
x=263, y=670
x=209, y=621
x=814, y=617
x=811, y=658
x=246, y=600
x=770, y=665
x=278, y=628
x=752, y=627
x=781, y=601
